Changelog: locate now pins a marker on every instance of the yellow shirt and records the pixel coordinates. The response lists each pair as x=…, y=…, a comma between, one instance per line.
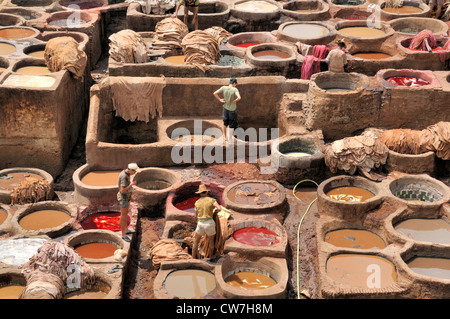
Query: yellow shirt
x=205, y=207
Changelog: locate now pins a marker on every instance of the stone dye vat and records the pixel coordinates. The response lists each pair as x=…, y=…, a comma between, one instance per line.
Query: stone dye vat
x=41, y=4
x=6, y=48
x=275, y=58
x=95, y=185
x=16, y=251
x=241, y=41
x=410, y=26
x=153, y=186
x=301, y=10
x=256, y=15
x=354, y=238
x=181, y=200
x=212, y=13
x=5, y=218
x=256, y=197
x=312, y=33
x=425, y=230
x=96, y=246
x=185, y=279
x=12, y=177
x=10, y=20
x=51, y=218
x=408, y=9
x=257, y=238
x=431, y=267
x=411, y=163
x=358, y=32
x=106, y=217
x=29, y=14
x=12, y=283
x=105, y=287
x=17, y=33
x=264, y=277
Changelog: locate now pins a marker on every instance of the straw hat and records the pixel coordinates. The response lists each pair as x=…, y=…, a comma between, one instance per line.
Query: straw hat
x=201, y=189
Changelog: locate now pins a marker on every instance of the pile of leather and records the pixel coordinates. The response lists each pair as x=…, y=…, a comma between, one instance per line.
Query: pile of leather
x=167, y=250
x=218, y=33
x=200, y=49
x=63, y=53
x=169, y=34
x=128, y=46
x=31, y=190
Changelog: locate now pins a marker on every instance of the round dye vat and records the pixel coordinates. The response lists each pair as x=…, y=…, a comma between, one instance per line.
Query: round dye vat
x=253, y=194
x=155, y=185
x=256, y=236
x=403, y=10
x=175, y=59
x=97, y=250
x=101, y=178
x=256, y=6
x=187, y=205
x=12, y=180
x=37, y=54
x=350, y=194
x=43, y=219
x=372, y=55
x=431, y=267
x=361, y=271
x=354, y=238
x=190, y=283
x=306, y=31
x=89, y=294
x=11, y=291
x=104, y=220
x=2, y=69
x=3, y=216
x=407, y=81
x=21, y=80
x=33, y=70
x=16, y=252
x=246, y=45
x=362, y=32
x=250, y=280
x=67, y=22
x=428, y=230
x=16, y=33
x=270, y=55
x=6, y=48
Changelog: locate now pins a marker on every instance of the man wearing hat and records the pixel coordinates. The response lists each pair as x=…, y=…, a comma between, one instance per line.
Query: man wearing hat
x=230, y=95
x=204, y=210
x=124, y=197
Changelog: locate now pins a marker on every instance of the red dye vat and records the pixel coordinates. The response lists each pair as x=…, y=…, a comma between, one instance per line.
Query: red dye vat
x=407, y=81
x=246, y=45
x=108, y=221
x=188, y=205
x=434, y=50
x=256, y=236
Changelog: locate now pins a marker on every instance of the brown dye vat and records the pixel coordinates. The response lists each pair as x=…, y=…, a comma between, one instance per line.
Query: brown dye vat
x=431, y=266
x=362, y=32
x=305, y=31
x=403, y=10
x=354, y=238
x=350, y=194
x=361, y=271
x=190, y=283
x=17, y=178
x=15, y=33
x=6, y=49
x=33, y=70
x=372, y=55
x=96, y=250
x=253, y=194
x=37, y=54
x=250, y=280
x=428, y=230
x=43, y=219
x=175, y=59
x=11, y=291
x=101, y=178
x=94, y=294
x=3, y=216
x=271, y=54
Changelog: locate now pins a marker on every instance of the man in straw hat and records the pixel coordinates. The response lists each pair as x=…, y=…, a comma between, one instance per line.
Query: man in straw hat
x=124, y=197
x=204, y=210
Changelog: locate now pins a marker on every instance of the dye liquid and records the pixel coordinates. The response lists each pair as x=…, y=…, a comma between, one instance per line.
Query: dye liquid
x=256, y=6
x=372, y=56
x=403, y=10
x=307, y=11
x=306, y=31
x=43, y=219
x=96, y=250
x=6, y=49
x=33, y=70
x=432, y=267
x=428, y=230
x=354, y=238
x=18, y=251
x=154, y=185
x=253, y=194
x=407, y=81
x=12, y=180
x=3, y=216
x=271, y=55
x=250, y=280
x=190, y=283
x=297, y=154
x=187, y=205
x=350, y=194
x=37, y=81
x=67, y=22
x=104, y=220
x=2, y=69
x=361, y=271
x=246, y=45
x=11, y=291
x=37, y=54
x=256, y=236
x=101, y=178
x=362, y=32
x=15, y=33
x=176, y=59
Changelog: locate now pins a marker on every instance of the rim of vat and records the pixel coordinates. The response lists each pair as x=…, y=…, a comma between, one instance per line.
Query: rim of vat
x=385, y=27
x=424, y=7
x=84, y=169
x=361, y=78
x=146, y=172
x=34, y=35
x=17, y=20
x=444, y=27
x=88, y=18
x=383, y=75
x=294, y=14
x=331, y=34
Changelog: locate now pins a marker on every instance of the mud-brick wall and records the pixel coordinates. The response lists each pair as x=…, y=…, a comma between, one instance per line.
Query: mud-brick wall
x=39, y=127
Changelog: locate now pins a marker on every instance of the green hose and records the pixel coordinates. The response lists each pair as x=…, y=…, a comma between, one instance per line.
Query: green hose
x=298, y=231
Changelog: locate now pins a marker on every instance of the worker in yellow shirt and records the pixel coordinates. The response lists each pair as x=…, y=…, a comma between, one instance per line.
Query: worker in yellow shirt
x=204, y=211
